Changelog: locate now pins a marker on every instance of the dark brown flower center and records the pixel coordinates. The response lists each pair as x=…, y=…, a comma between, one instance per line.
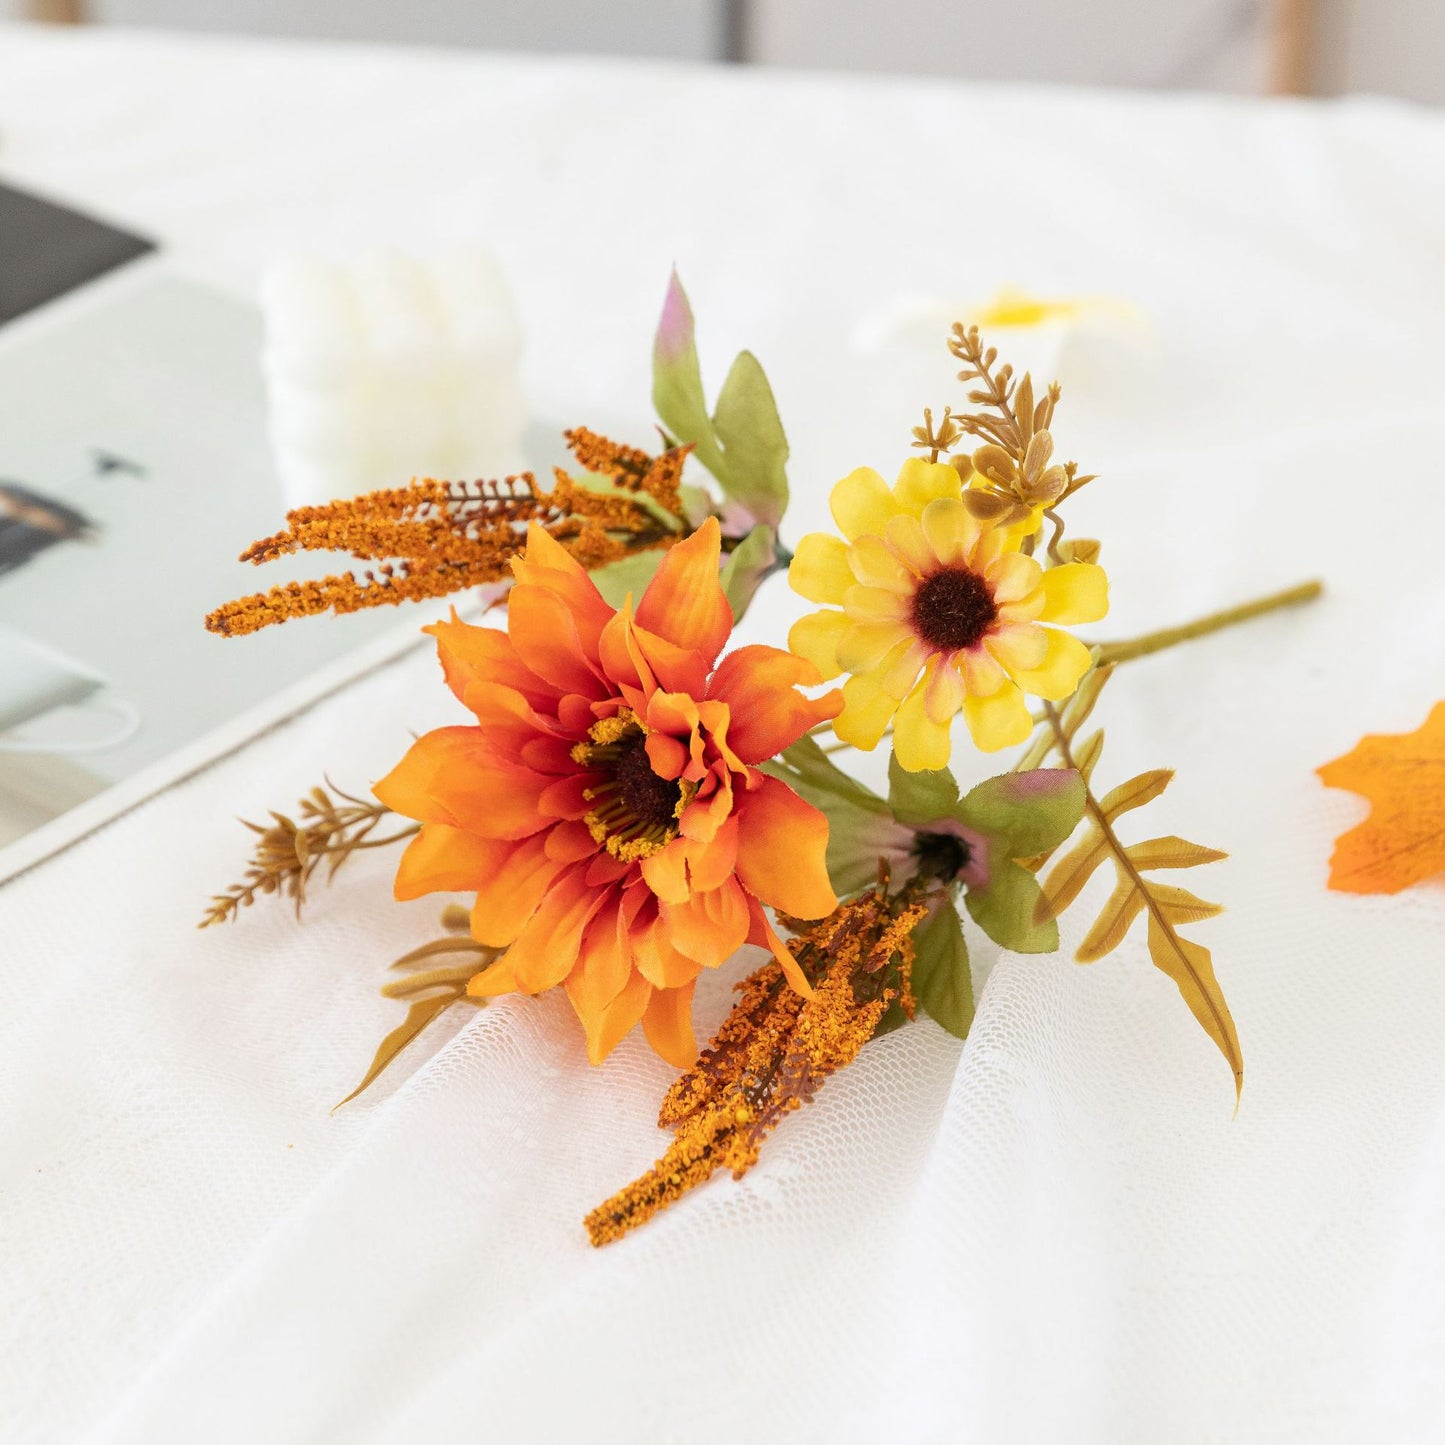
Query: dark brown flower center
x=634, y=811
x=651, y=800
x=953, y=609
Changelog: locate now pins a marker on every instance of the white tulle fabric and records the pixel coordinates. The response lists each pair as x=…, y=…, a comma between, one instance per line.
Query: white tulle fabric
x=1059, y=1230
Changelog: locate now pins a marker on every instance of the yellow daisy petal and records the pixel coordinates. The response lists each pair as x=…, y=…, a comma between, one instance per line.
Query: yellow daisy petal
x=819, y=570
x=910, y=546
x=981, y=672
x=920, y=482
x=1064, y=663
x=950, y=530
x=1019, y=648
x=1030, y=524
x=866, y=713
x=991, y=544
x=945, y=693
x=816, y=638
x=1000, y=721
x=874, y=565
x=1026, y=609
x=1075, y=592
x=873, y=604
x=919, y=743
x=1013, y=576
x=861, y=503
x=864, y=645
x=899, y=670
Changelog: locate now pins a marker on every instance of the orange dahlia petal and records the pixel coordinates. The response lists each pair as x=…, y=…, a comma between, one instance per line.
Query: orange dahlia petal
x=716, y=717
x=570, y=842
x=668, y=1024
x=678, y=669
x=677, y=715
x=711, y=808
x=684, y=602
x=712, y=861
x=621, y=656
x=763, y=934
x=450, y=776
x=658, y=959
x=633, y=656
x=546, y=949
x=513, y=890
x=782, y=842
x=546, y=754
x=544, y=630
x=471, y=655
x=667, y=756
x=666, y=872
x=605, y=869
x=759, y=685
x=508, y=720
x=497, y=978
x=442, y=859
x=607, y=1029
x=604, y=964
x=710, y=927
x=566, y=797
x=546, y=563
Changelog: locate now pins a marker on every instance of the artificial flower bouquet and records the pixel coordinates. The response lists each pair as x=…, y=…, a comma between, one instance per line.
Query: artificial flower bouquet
x=637, y=801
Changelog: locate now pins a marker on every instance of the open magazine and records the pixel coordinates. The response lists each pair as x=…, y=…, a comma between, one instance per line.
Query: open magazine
x=133, y=455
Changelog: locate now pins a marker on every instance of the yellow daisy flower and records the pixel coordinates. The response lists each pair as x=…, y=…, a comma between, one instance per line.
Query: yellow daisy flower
x=933, y=610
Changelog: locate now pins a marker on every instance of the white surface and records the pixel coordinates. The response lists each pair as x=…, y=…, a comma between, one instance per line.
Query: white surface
x=1055, y=1232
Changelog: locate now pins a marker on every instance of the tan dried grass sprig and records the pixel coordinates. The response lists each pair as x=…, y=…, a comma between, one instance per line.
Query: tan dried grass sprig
x=288, y=853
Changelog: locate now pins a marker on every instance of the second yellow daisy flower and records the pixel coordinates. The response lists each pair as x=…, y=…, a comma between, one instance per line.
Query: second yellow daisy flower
x=931, y=612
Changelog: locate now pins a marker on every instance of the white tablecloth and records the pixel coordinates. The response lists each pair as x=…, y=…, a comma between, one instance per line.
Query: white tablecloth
x=1057, y=1231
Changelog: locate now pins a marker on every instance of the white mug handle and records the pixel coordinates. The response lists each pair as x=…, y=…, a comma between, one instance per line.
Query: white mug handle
x=127, y=720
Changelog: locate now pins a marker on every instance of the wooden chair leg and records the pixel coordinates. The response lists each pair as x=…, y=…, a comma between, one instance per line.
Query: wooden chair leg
x=57, y=12
x=1292, y=43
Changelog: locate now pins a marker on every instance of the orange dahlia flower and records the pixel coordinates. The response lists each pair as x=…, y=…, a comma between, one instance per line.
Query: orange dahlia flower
x=606, y=805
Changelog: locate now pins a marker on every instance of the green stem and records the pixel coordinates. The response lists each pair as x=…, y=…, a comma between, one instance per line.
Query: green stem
x=1215, y=622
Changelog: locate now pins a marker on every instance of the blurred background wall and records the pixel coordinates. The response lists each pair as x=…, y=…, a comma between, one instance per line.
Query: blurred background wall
x=1391, y=47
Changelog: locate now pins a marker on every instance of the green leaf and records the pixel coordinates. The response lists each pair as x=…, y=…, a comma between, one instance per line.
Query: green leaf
x=747, y=565
x=697, y=505
x=1007, y=909
x=627, y=574
x=920, y=798
x=742, y=444
x=677, y=391
x=810, y=771
x=942, y=981
x=1028, y=812
x=755, y=449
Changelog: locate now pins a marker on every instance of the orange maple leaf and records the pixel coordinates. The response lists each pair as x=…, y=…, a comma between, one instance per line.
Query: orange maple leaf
x=1403, y=840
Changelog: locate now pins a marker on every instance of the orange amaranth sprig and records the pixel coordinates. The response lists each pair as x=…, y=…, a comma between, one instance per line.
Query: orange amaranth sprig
x=776, y=1048
x=435, y=538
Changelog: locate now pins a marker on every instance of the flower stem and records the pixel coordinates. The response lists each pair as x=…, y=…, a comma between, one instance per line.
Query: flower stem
x=1134, y=647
